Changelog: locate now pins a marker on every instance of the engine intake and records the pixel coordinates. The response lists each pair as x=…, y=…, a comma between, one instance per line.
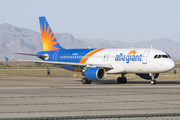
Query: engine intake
x=96, y=73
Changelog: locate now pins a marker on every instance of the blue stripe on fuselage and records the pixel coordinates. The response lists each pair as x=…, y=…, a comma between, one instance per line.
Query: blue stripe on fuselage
x=65, y=55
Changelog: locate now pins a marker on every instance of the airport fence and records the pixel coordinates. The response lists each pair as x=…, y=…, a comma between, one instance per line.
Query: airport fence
x=167, y=116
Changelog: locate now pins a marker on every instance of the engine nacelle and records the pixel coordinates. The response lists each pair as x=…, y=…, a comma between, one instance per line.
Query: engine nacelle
x=147, y=76
x=96, y=73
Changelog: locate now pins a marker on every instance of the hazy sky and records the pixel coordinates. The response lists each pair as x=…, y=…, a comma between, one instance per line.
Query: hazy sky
x=123, y=20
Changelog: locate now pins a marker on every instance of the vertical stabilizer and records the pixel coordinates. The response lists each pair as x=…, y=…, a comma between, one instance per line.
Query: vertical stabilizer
x=48, y=39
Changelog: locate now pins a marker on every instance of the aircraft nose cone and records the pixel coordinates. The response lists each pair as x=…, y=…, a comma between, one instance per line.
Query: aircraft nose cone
x=171, y=64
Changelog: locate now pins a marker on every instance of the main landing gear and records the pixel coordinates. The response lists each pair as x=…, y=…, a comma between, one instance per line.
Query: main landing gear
x=86, y=81
x=153, y=81
x=122, y=79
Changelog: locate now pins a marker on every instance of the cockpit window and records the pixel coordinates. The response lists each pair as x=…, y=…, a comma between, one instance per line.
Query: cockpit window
x=159, y=56
x=155, y=56
x=168, y=55
x=162, y=56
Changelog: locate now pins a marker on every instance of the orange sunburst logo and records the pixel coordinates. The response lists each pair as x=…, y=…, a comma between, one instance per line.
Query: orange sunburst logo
x=133, y=52
x=47, y=39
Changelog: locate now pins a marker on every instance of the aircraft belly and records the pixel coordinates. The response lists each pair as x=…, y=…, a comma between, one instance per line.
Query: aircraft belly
x=137, y=68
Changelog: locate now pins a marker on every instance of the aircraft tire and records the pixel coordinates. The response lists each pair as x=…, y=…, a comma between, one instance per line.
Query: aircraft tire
x=48, y=72
x=84, y=81
x=89, y=81
x=119, y=80
x=124, y=80
x=153, y=82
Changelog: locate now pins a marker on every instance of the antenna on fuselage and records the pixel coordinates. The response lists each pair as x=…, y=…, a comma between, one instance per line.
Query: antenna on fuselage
x=151, y=47
x=89, y=47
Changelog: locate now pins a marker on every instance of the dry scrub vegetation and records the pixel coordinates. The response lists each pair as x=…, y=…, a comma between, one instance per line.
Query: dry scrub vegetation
x=28, y=67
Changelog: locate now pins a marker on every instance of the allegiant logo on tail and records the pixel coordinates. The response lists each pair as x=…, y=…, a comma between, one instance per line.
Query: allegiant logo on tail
x=130, y=57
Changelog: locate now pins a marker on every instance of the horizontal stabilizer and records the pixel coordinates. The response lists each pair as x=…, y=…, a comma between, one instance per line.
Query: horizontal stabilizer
x=31, y=55
x=6, y=58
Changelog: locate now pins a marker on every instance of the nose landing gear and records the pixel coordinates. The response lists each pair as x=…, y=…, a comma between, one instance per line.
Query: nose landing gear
x=153, y=81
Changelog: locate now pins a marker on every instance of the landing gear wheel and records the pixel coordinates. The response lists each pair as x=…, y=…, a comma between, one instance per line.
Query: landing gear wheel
x=153, y=82
x=84, y=81
x=124, y=80
x=89, y=81
x=119, y=80
x=153, y=77
x=48, y=72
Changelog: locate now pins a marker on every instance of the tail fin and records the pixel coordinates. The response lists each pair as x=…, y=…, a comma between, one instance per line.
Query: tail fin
x=48, y=39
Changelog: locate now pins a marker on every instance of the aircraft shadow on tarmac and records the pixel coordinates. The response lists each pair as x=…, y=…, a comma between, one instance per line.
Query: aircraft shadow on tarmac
x=174, y=82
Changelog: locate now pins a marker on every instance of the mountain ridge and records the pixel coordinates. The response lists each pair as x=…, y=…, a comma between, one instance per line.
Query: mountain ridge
x=23, y=40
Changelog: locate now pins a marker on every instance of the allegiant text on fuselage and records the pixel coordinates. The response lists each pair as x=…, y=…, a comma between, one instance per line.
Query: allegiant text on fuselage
x=128, y=58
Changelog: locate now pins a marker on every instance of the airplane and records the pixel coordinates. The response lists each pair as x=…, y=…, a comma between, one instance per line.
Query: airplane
x=95, y=63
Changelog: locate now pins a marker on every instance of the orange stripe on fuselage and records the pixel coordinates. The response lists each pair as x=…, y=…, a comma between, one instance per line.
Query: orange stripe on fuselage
x=85, y=58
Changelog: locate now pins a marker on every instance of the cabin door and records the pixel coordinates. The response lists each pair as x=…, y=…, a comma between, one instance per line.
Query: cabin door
x=55, y=55
x=145, y=57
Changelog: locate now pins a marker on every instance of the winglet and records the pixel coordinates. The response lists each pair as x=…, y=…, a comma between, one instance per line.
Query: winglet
x=6, y=58
x=48, y=39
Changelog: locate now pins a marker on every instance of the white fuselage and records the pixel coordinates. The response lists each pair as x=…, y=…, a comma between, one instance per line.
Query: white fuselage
x=133, y=60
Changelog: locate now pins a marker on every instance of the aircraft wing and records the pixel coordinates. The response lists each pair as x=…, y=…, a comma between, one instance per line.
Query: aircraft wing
x=75, y=65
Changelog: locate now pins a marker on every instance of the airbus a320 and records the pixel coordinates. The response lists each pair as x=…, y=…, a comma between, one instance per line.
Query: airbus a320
x=94, y=64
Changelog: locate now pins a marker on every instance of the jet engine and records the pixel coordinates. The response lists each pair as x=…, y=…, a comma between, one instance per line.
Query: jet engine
x=96, y=73
x=147, y=76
